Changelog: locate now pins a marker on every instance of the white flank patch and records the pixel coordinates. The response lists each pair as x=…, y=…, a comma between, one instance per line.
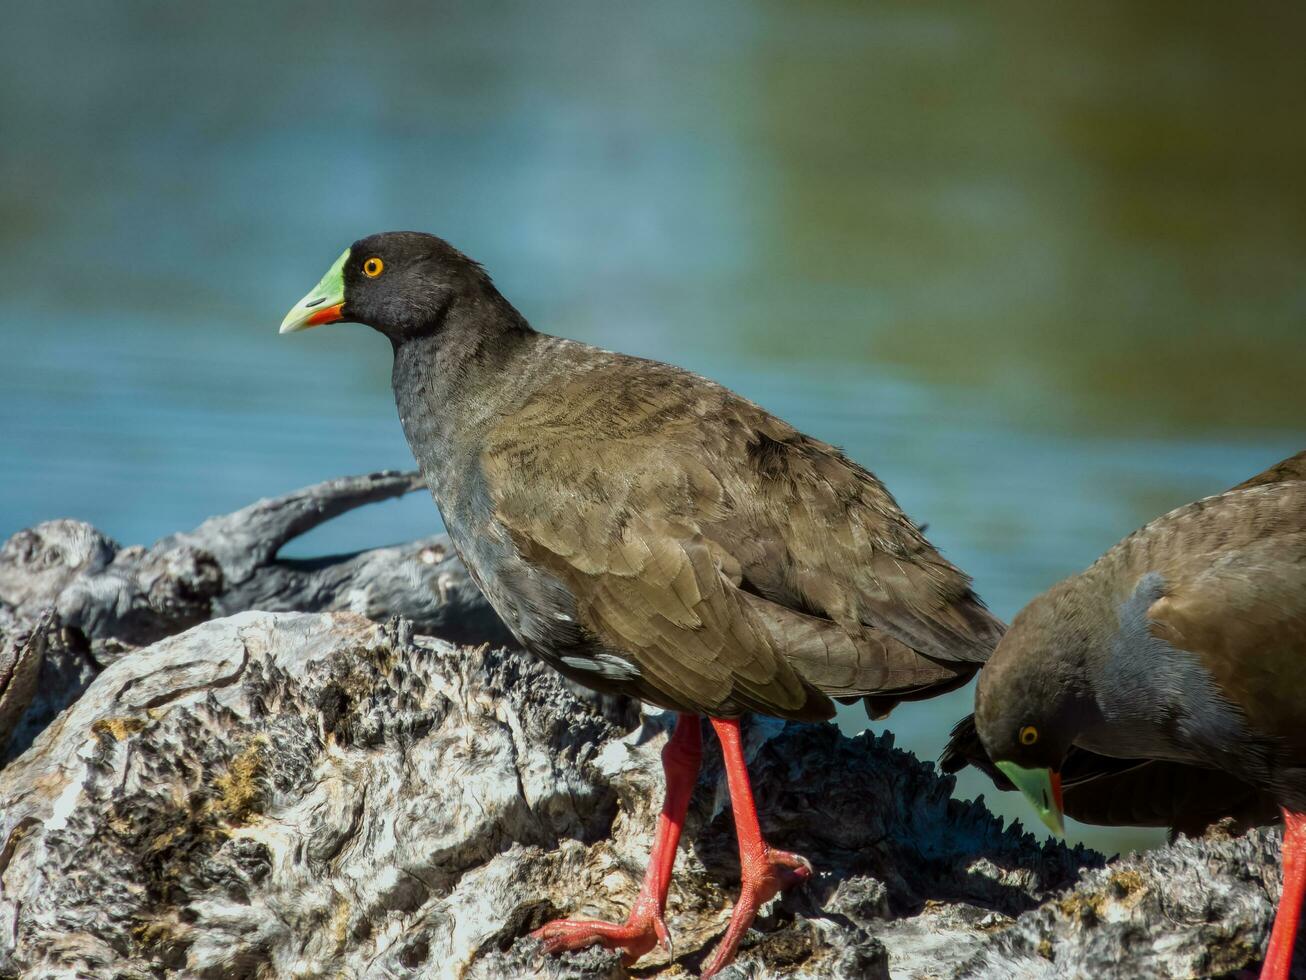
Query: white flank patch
x=605, y=664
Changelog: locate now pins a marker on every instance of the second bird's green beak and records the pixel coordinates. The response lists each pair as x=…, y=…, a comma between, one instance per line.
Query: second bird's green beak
x=1042, y=787
x=324, y=303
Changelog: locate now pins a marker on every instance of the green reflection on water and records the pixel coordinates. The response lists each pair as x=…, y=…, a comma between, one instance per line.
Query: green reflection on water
x=1104, y=212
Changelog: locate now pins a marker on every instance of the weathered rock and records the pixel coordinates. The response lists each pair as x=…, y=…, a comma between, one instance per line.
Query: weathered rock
x=294, y=793
x=1199, y=908
x=311, y=795
x=119, y=599
x=22, y=651
x=73, y=601
x=304, y=795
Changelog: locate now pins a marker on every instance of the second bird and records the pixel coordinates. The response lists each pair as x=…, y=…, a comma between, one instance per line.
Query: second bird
x=650, y=533
x=1179, y=655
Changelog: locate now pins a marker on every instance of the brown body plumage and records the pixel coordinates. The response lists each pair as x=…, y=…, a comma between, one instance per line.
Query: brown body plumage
x=736, y=564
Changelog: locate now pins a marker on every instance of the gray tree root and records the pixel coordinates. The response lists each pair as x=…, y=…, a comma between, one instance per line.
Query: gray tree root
x=72, y=601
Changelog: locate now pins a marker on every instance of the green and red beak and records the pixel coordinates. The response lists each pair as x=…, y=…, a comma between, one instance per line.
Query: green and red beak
x=1042, y=787
x=325, y=302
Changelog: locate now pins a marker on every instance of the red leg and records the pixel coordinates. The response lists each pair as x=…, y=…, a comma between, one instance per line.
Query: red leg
x=1278, y=958
x=645, y=927
x=764, y=871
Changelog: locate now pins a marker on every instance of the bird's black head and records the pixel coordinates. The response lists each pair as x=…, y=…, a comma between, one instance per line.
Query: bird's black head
x=1033, y=699
x=404, y=284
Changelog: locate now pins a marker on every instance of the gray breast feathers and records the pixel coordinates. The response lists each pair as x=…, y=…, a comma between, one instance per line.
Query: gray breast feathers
x=1157, y=700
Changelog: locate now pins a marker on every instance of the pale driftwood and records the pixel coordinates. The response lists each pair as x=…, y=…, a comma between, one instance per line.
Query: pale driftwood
x=22, y=650
x=316, y=795
x=72, y=601
x=287, y=794
x=1198, y=908
x=121, y=598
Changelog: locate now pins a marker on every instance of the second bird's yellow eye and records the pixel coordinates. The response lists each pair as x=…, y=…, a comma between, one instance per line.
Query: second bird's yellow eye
x=1028, y=735
x=373, y=267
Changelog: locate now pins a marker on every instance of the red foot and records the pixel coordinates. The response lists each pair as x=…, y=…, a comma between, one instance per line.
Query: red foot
x=778, y=871
x=764, y=871
x=640, y=933
x=645, y=928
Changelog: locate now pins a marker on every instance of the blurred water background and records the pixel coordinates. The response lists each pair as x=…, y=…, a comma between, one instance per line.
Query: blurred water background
x=1043, y=269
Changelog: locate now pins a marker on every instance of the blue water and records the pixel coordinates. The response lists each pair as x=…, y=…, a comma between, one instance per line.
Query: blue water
x=1042, y=276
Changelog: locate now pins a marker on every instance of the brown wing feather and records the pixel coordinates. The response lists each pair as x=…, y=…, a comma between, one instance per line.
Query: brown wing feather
x=829, y=537
x=1244, y=615
x=844, y=664
x=736, y=561
x=658, y=596
x=1234, y=568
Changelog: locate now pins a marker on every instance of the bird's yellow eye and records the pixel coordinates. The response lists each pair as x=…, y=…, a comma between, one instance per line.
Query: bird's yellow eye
x=1028, y=735
x=373, y=267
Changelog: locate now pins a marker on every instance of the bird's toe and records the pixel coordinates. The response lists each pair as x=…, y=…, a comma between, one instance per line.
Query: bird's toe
x=780, y=871
x=634, y=938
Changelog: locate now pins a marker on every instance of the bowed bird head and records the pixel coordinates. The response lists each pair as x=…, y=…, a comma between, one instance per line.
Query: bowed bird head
x=1032, y=701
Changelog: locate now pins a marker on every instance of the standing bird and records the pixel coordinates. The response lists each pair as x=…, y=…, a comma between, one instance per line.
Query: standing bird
x=1182, y=648
x=650, y=533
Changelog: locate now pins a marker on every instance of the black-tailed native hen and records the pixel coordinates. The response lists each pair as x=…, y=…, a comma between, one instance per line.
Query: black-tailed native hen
x=650, y=533
x=1172, y=670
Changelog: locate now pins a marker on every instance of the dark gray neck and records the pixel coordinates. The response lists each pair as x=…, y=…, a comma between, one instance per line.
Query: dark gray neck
x=452, y=380
x=475, y=333
x=451, y=388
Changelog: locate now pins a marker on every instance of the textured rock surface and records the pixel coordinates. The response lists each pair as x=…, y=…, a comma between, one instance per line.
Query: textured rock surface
x=1199, y=908
x=22, y=651
x=315, y=795
x=72, y=601
x=308, y=795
